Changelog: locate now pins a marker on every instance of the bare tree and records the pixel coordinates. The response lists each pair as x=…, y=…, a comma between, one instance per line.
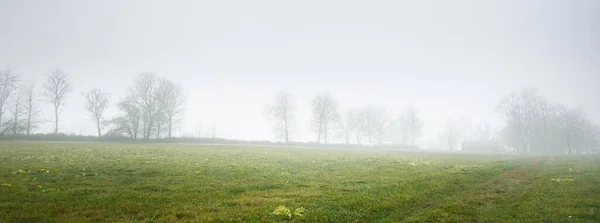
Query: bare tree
x=359, y=121
x=483, y=131
x=146, y=94
x=324, y=115
x=31, y=109
x=521, y=111
x=376, y=124
x=16, y=124
x=410, y=125
x=452, y=134
x=96, y=103
x=56, y=89
x=172, y=101
x=129, y=121
x=368, y=124
x=281, y=112
x=8, y=84
x=349, y=124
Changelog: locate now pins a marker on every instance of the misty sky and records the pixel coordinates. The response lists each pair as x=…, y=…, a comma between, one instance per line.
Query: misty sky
x=446, y=58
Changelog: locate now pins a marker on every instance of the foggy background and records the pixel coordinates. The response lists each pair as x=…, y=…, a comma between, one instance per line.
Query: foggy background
x=447, y=59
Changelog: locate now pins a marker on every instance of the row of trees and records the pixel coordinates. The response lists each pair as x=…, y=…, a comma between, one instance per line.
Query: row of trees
x=150, y=108
x=532, y=124
x=374, y=123
x=535, y=125
x=21, y=101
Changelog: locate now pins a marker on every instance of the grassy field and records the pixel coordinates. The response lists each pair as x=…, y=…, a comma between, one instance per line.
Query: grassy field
x=90, y=182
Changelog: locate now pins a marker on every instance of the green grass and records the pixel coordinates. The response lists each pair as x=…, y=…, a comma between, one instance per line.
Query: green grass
x=90, y=182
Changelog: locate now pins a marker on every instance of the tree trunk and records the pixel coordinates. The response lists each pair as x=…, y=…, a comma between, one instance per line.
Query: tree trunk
x=325, y=133
x=55, y=119
x=98, y=127
x=28, y=122
x=1, y=109
x=286, y=132
x=170, y=126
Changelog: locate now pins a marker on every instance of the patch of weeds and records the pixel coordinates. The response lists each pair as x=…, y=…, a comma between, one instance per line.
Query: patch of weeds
x=283, y=211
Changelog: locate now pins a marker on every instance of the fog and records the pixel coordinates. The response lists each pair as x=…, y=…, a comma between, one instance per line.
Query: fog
x=446, y=59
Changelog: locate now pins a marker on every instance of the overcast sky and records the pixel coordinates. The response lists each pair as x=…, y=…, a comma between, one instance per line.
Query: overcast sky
x=446, y=58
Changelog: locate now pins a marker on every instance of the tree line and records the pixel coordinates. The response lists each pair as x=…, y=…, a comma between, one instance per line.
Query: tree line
x=151, y=107
x=369, y=124
x=532, y=124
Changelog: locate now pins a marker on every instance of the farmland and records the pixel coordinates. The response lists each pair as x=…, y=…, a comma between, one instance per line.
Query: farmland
x=127, y=182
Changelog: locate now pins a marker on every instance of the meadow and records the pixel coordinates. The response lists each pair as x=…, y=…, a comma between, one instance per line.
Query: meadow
x=127, y=182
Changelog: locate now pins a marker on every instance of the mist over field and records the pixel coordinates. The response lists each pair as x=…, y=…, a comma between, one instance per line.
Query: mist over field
x=446, y=60
x=307, y=111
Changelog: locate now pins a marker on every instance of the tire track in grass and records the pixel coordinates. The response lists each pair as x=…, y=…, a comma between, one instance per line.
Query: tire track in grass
x=469, y=205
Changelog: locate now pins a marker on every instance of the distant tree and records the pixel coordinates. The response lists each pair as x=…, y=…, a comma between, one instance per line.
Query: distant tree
x=376, y=123
x=56, y=89
x=128, y=122
x=8, y=84
x=96, y=103
x=574, y=127
x=31, y=109
x=325, y=114
x=348, y=124
x=483, y=131
x=452, y=134
x=146, y=93
x=410, y=125
x=172, y=100
x=358, y=115
x=281, y=112
x=16, y=124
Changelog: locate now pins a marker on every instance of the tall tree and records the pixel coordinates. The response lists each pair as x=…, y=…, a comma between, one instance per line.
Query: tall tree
x=281, y=112
x=8, y=84
x=56, y=89
x=96, y=103
x=324, y=109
